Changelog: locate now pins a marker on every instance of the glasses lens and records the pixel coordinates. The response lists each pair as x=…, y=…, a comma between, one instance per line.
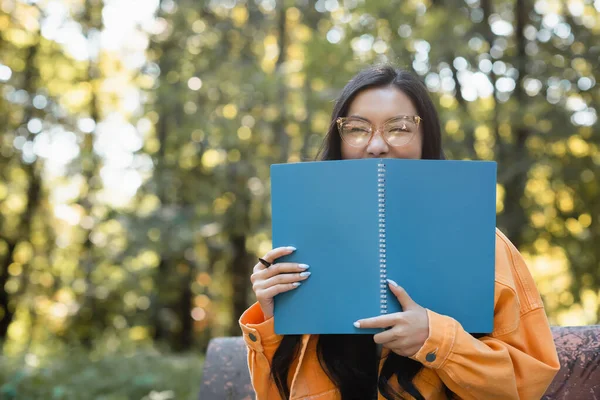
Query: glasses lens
x=356, y=132
x=400, y=131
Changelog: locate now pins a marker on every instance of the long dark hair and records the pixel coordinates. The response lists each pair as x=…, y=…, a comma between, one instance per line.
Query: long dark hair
x=351, y=361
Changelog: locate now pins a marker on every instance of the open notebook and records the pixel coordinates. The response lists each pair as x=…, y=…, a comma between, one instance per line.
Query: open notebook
x=429, y=225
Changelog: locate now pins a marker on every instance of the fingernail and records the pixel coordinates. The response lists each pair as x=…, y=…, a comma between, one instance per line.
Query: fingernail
x=391, y=282
x=296, y=284
x=304, y=266
x=357, y=324
x=305, y=273
x=291, y=248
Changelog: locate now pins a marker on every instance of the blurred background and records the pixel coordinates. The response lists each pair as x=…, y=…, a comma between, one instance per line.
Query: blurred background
x=136, y=138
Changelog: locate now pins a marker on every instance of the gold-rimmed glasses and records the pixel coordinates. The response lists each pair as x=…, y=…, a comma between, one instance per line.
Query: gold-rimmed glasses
x=397, y=131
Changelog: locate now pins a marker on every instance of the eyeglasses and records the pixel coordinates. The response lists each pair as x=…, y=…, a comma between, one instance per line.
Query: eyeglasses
x=398, y=131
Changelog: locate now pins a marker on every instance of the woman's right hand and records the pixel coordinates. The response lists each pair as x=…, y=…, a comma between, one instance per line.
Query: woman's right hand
x=278, y=278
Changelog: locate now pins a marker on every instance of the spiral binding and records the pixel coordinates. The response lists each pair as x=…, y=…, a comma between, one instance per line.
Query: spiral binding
x=382, y=255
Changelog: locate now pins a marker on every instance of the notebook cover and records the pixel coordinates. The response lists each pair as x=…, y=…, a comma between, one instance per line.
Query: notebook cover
x=440, y=227
x=441, y=224
x=328, y=211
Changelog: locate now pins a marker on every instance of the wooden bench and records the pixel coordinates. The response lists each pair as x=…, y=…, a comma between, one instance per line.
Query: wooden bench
x=226, y=372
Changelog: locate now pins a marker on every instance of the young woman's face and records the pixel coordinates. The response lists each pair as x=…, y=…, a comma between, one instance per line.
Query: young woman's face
x=378, y=105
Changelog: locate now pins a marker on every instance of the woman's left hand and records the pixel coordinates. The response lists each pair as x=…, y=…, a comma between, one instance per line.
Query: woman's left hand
x=408, y=329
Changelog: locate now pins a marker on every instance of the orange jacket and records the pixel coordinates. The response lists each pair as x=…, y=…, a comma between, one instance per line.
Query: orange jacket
x=517, y=360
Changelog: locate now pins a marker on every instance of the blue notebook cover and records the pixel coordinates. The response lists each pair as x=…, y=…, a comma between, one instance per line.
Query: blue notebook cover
x=429, y=225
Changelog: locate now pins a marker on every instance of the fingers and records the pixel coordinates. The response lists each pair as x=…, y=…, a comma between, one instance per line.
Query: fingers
x=268, y=293
x=269, y=288
x=273, y=255
x=278, y=252
x=281, y=279
x=383, y=321
x=388, y=336
x=267, y=282
x=399, y=341
x=278, y=269
x=405, y=300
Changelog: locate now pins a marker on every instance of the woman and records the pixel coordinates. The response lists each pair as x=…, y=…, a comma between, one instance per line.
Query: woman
x=383, y=112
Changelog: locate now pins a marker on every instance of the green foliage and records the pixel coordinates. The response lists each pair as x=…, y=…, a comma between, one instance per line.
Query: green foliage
x=75, y=375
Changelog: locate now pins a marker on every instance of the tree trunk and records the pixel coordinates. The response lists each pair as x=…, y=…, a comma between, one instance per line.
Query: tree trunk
x=186, y=334
x=7, y=302
x=160, y=332
x=307, y=131
x=240, y=276
x=282, y=139
x=469, y=134
x=486, y=6
x=91, y=320
x=515, y=187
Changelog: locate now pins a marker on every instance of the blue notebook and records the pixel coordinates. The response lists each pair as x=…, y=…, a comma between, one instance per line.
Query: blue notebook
x=429, y=225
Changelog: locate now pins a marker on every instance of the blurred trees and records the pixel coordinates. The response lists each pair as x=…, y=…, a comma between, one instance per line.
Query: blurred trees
x=134, y=195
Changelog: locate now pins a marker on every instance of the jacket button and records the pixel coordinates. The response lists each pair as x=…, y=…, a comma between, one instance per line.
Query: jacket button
x=430, y=357
x=252, y=337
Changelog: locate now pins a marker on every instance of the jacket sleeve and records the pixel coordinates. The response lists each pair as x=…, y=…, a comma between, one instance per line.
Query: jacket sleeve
x=262, y=342
x=518, y=360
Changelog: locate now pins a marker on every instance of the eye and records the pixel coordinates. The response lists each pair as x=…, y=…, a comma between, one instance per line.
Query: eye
x=402, y=127
x=355, y=128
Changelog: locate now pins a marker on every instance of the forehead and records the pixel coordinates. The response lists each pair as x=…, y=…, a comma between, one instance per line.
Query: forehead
x=381, y=103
